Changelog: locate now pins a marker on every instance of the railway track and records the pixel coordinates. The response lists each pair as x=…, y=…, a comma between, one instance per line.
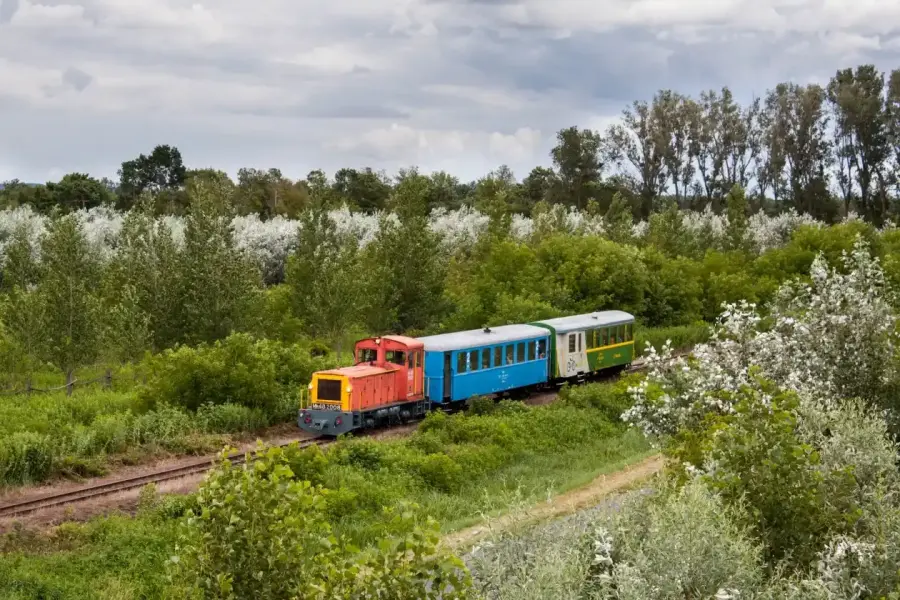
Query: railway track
x=108, y=488
x=128, y=483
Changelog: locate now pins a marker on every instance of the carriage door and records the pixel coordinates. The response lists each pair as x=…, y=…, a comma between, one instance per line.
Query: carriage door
x=573, y=353
x=447, y=375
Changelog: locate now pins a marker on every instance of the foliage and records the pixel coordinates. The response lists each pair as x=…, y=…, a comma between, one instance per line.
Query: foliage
x=258, y=531
x=239, y=370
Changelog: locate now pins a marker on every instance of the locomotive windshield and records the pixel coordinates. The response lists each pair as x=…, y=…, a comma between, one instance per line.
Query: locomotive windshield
x=367, y=355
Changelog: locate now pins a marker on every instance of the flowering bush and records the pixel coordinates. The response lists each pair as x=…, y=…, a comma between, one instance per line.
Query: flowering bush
x=827, y=339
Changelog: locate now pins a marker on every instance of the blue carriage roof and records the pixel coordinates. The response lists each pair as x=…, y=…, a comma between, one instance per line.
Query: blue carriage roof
x=604, y=318
x=476, y=338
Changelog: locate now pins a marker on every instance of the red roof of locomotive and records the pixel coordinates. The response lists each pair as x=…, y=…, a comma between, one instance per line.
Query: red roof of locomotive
x=361, y=370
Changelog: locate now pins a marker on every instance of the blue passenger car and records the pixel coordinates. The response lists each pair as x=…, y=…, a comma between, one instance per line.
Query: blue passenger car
x=484, y=361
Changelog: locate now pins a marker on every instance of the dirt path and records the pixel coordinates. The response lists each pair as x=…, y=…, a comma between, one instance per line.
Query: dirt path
x=567, y=503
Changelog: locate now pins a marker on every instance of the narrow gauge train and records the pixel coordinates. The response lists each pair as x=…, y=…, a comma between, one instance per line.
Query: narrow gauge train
x=397, y=378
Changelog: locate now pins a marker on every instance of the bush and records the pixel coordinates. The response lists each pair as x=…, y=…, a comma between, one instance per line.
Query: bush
x=237, y=370
x=481, y=405
x=610, y=400
x=682, y=336
x=258, y=532
x=441, y=472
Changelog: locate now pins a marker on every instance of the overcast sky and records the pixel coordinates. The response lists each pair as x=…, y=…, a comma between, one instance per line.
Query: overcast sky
x=461, y=85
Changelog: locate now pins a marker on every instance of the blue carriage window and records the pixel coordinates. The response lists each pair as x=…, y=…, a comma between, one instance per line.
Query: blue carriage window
x=461, y=362
x=542, y=349
x=520, y=354
x=498, y=356
x=531, y=350
x=473, y=365
x=510, y=354
x=486, y=358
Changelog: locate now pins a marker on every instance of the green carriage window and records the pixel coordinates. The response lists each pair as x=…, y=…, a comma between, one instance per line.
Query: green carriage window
x=520, y=354
x=620, y=334
x=628, y=333
x=592, y=339
x=473, y=360
x=510, y=354
x=531, y=350
x=498, y=356
x=542, y=349
x=572, y=337
x=486, y=359
x=461, y=362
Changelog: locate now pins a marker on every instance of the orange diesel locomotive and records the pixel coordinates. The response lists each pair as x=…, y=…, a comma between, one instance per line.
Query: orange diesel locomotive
x=386, y=384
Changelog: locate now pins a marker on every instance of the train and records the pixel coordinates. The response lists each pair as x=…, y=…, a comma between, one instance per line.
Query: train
x=395, y=379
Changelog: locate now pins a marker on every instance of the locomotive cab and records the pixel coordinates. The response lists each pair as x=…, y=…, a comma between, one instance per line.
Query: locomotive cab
x=386, y=382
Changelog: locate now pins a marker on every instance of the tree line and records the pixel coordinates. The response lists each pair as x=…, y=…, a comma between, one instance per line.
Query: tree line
x=821, y=150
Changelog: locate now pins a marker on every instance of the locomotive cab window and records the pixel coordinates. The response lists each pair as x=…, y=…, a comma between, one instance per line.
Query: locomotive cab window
x=542, y=349
x=397, y=357
x=486, y=358
x=572, y=337
x=367, y=355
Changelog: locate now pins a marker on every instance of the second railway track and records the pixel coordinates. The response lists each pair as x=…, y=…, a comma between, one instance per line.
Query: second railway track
x=22, y=507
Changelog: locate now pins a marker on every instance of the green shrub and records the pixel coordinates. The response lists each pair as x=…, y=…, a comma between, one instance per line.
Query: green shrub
x=481, y=405
x=307, y=464
x=237, y=370
x=230, y=418
x=441, y=472
x=610, y=400
x=258, y=532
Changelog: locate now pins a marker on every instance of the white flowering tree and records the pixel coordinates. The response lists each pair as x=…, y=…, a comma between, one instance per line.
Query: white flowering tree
x=829, y=338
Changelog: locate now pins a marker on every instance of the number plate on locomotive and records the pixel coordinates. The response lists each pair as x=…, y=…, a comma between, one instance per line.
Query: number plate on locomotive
x=323, y=406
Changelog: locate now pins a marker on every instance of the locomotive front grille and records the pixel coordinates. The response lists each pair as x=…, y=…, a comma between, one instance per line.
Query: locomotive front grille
x=329, y=390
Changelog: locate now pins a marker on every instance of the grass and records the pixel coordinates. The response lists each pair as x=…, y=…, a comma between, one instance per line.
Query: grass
x=455, y=468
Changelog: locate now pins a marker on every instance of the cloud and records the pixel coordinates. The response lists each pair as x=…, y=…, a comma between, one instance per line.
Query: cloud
x=463, y=85
x=8, y=10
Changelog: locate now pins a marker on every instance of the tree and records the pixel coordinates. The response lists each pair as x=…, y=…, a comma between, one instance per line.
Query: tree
x=619, y=220
x=640, y=143
x=324, y=276
x=218, y=284
x=540, y=185
x=161, y=171
x=405, y=265
x=79, y=191
x=578, y=163
x=66, y=294
x=366, y=189
x=676, y=113
x=862, y=145
x=19, y=267
x=892, y=115
x=738, y=221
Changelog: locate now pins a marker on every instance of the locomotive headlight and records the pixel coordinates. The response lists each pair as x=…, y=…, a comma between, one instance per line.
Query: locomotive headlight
x=349, y=388
x=310, y=386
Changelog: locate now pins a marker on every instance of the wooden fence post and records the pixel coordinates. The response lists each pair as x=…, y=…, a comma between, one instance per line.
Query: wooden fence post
x=28, y=386
x=70, y=383
x=107, y=379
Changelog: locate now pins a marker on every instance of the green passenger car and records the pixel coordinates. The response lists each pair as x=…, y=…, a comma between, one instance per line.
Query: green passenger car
x=584, y=344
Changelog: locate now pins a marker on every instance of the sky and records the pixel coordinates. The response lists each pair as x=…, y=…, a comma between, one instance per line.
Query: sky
x=458, y=85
